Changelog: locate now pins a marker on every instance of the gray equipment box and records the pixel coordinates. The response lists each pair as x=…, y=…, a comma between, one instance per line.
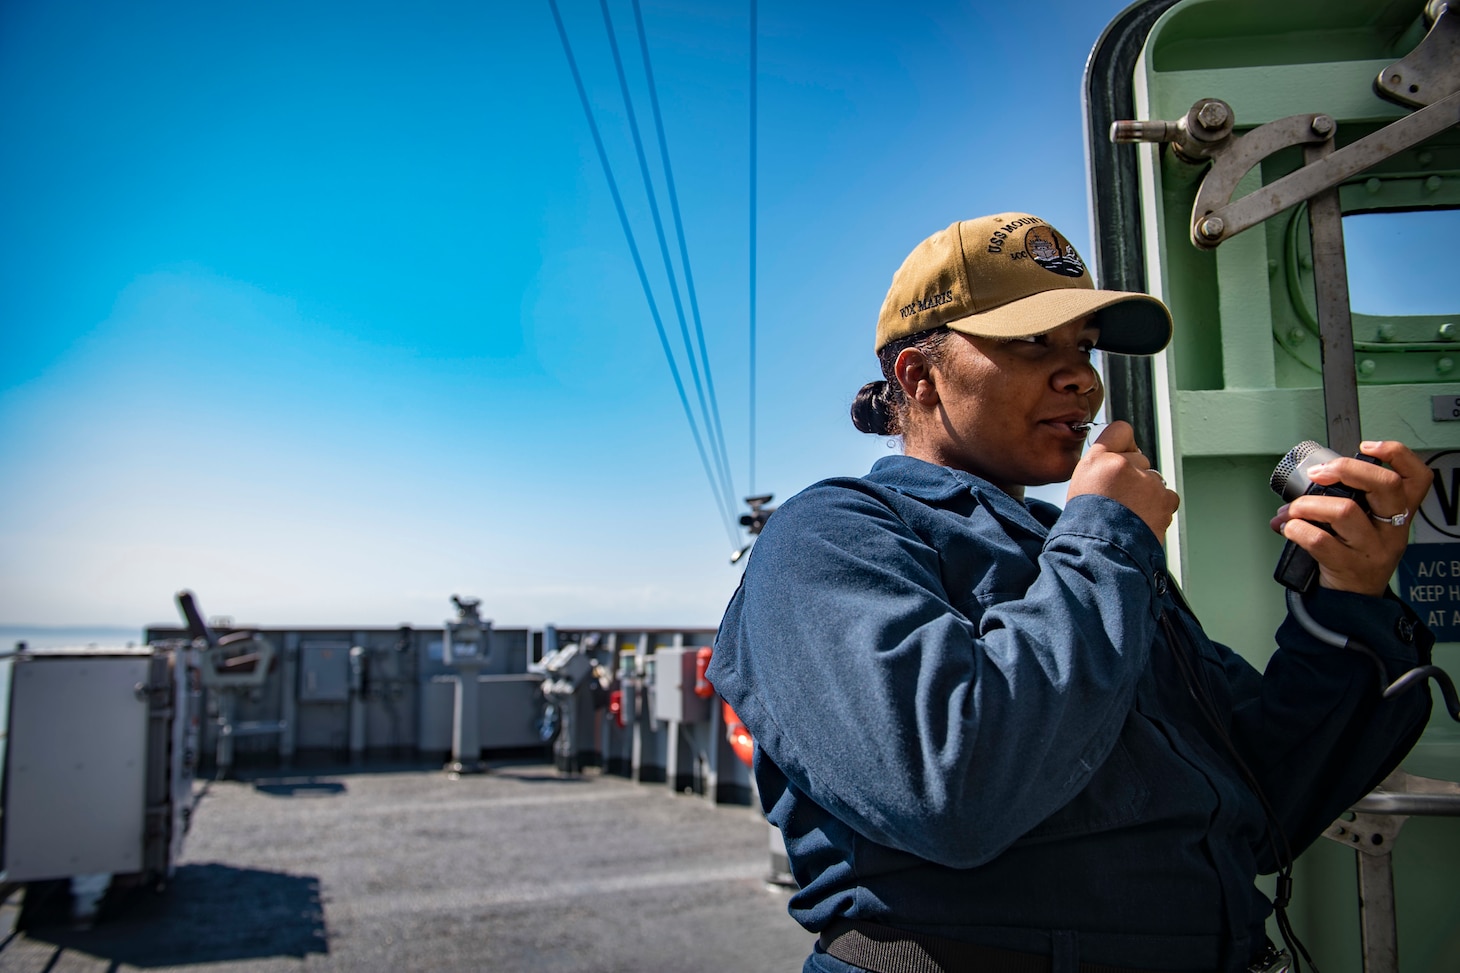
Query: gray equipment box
x=674, y=688
x=75, y=800
x=324, y=672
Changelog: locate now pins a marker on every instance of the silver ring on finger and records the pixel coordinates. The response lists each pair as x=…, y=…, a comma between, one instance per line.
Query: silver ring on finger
x=1157, y=474
x=1398, y=520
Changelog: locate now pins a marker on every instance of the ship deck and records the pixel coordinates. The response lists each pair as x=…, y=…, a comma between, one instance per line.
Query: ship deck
x=401, y=868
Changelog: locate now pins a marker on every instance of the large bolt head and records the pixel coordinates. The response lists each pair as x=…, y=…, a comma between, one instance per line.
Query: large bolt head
x=1213, y=115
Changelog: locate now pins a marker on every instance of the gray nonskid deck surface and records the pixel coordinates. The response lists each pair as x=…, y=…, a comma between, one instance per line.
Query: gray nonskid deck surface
x=515, y=870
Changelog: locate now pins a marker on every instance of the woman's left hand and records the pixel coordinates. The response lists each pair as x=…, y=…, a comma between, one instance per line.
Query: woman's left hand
x=1362, y=552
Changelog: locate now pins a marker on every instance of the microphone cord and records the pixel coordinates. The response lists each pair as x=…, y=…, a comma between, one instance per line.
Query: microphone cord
x=1387, y=689
x=1277, y=838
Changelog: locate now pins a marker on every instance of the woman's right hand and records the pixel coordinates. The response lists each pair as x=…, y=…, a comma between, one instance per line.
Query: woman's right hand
x=1114, y=467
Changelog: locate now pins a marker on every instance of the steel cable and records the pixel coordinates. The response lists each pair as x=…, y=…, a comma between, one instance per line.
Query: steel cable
x=689, y=282
x=754, y=95
x=652, y=196
x=727, y=514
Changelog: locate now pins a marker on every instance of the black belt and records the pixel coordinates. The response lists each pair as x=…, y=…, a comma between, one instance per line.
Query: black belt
x=881, y=949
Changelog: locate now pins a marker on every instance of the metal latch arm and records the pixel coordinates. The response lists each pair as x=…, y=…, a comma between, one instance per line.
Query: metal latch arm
x=1213, y=199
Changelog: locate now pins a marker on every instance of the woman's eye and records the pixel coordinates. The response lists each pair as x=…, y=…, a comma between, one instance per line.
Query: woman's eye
x=1085, y=346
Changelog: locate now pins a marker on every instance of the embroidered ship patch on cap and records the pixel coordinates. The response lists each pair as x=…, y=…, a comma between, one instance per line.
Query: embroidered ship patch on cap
x=1052, y=252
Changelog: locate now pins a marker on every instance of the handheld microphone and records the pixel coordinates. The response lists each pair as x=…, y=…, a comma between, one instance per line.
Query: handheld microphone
x=1296, y=568
x=1297, y=571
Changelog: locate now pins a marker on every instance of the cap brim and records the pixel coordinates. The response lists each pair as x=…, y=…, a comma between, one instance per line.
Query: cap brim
x=1129, y=323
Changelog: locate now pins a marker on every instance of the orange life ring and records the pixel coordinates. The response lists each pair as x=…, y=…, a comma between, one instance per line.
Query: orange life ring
x=738, y=735
x=703, y=689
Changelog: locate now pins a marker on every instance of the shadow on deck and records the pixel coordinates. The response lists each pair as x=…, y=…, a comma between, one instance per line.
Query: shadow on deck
x=210, y=913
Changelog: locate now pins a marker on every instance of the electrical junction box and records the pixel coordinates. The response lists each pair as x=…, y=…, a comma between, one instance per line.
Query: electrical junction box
x=324, y=672
x=674, y=688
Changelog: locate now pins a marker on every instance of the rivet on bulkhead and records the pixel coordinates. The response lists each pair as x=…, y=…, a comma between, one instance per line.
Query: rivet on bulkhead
x=1449, y=331
x=1445, y=365
x=1433, y=183
x=1297, y=336
x=1367, y=366
x=1372, y=185
x=1386, y=332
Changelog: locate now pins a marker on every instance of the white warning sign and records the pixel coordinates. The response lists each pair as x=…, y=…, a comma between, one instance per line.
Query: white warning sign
x=1429, y=573
x=1439, y=514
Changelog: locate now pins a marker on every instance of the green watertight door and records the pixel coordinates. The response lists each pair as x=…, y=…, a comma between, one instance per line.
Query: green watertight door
x=1243, y=379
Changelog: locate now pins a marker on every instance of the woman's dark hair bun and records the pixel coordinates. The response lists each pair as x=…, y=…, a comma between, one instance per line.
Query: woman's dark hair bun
x=872, y=410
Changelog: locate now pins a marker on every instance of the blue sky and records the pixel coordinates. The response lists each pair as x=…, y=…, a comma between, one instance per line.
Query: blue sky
x=325, y=312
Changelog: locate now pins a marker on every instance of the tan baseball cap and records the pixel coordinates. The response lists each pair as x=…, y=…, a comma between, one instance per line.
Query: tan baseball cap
x=1013, y=275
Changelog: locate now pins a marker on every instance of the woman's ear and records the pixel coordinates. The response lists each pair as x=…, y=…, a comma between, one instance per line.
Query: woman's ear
x=915, y=374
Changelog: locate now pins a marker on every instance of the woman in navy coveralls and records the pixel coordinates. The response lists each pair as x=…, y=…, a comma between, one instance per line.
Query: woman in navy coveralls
x=991, y=733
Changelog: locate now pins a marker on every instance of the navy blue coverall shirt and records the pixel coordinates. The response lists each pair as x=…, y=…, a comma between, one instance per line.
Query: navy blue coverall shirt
x=970, y=722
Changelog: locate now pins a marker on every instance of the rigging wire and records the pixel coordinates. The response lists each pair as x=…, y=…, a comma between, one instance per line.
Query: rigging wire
x=689, y=281
x=754, y=73
x=726, y=514
x=724, y=483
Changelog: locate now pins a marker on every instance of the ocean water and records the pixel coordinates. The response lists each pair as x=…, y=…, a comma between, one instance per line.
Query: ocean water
x=69, y=636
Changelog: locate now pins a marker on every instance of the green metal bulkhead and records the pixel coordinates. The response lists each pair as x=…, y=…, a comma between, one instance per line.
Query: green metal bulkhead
x=1241, y=383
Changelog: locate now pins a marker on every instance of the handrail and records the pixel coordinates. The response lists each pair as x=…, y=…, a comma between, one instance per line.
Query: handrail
x=1429, y=805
